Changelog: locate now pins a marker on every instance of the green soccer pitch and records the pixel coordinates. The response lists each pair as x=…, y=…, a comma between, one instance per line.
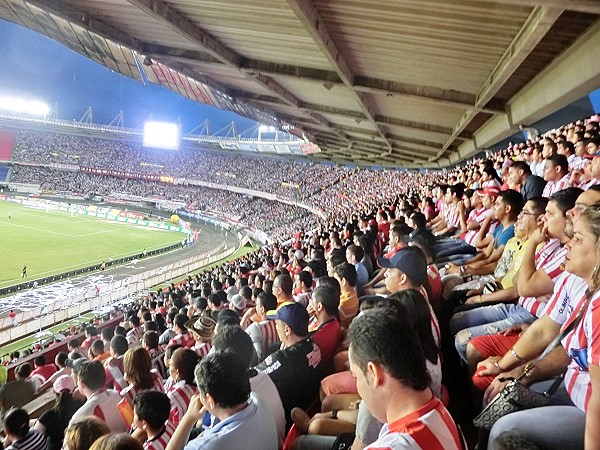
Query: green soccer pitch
x=53, y=242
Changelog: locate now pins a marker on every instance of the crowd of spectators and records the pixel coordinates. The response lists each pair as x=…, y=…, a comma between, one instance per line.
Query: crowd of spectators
x=289, y=179
x=373, y=322
x=272, y=217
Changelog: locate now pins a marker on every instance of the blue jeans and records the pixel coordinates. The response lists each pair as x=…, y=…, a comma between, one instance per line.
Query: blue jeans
x=561, y=425
x=466, y=325
x=450, y=247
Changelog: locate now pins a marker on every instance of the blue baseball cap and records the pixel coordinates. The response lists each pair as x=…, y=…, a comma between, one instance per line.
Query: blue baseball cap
x=410, y=261
x=293, y=315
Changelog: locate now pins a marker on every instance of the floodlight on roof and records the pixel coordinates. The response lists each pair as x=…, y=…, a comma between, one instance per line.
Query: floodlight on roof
x=267, y=129
x=17, y=105
x=162, y=135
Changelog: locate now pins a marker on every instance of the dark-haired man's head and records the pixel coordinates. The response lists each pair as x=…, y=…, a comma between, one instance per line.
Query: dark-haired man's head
x=222, y=379
x=91, y=377
x=336, y=257
x=556, y=167
x=151, y=409
x=386, y=359
x=236, y=340
x=508, y=206
x=346, y=275
x=283, y=286
x=118, y=345
x=325, y=298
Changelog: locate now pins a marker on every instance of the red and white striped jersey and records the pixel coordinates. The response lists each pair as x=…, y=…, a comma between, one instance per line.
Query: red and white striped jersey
x=114, y=373
x=202, y=348
x=130, y=391
x=551, y=259
x=583, y=346
x=263, y=335
x=569, y=292
x=494, y=182
x=479, y=217
x=180, y=395
x=585, y=185
x=185, y=340
x=160, y=442
x=578, y=163
x=428, y=428
x=555, y=186
x=133, y=336
x=453, y=216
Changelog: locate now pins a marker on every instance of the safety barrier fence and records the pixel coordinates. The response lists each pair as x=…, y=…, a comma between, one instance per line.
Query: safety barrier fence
x=33, y=320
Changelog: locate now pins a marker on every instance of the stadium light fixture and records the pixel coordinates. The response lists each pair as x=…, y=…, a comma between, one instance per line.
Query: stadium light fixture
x=165, y=135
x=266, y=129
x=17, y=105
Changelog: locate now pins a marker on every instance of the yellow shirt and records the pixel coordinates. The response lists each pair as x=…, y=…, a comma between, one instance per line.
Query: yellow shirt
x=348, y=307
x=516, y=250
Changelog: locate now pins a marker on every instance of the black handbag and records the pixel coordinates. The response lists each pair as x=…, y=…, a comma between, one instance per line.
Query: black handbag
x=516, y=396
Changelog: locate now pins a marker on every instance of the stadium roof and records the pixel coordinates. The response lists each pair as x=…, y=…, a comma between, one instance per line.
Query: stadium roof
x=418, y=83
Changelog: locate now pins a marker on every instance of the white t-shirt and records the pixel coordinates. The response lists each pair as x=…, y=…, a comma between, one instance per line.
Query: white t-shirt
x=263, y=386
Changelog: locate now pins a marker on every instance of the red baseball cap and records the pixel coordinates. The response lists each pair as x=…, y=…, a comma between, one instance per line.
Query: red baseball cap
x=490, y=190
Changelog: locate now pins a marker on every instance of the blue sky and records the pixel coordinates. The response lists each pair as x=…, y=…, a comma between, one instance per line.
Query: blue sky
x=36, y=67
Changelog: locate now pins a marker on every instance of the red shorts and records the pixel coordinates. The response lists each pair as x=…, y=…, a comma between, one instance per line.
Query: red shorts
x=491, y=345
x=339, y=383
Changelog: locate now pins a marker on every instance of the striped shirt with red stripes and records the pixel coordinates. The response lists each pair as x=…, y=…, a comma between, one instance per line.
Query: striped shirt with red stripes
x=185, y=340
x=160, y=442
x=133, y=336
x=583, y=346
x=114, y=374
x=202, y=348
x=130, y=391
x=479, y=217
x=585, y=185
x=551, y=259
x=555, y=186
x=263, y=335
x=428, y=428
x=569, y=292
x=453, y=216
x=180, y=395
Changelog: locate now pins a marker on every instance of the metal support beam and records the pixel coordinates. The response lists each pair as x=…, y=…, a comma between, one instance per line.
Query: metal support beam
x=445, y=97
x=531, y=33
x=252, y=67
x=309, y=16
x=171, y=18
x=584, y=6
x=357, y=115
x=414, y=125
x=71, y=14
